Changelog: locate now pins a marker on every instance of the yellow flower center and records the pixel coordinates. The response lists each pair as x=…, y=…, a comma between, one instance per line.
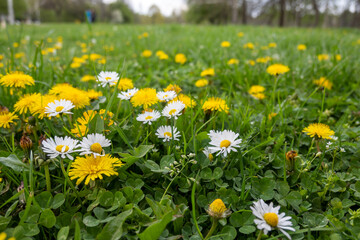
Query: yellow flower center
x=172, y=111
x=217, y=206
x=59, y=108
x=271, y=218
x=167, y=134
x=211, y=157
x=148, y=117
x=96, y=147
x=225, y=143
x=108, y=78
x=60, y=147
x=165, y=96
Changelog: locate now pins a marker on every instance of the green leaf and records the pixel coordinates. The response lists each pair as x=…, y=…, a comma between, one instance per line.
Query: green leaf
x=63, y=233
x=247, y=229
x=279, y=142
x=106, y=199
x=206, y=173
x=113, y=229
x=30, y=229
x=47, y=218
x=294, y=199
x=282, y=188
x=228, y=233
x=77, y=235
x=44, y=199
x=59, y=200
x=240, y=219
x=90, y=221
x=263, y=188
x=140, y=151
x=314, y=220
x=155, y=229
x=4, y=221
x=13, y=162
x=119, y=201
x=218, y=172
x=11, y=208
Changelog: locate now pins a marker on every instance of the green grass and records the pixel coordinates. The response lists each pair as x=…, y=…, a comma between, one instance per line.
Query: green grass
x=155, y=197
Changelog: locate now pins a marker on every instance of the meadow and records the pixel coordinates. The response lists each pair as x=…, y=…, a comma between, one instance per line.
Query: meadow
x=179, y=132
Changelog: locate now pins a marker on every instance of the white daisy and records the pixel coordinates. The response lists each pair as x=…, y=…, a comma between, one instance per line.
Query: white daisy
x=59, y=106
x=208, y=153
x=223, y=141
x=269, y=218
x=166, y=133
x=148, y=117
x=173, y=109
x=166, y=96
x=107, y=78
x=94, y=144
x=59, y=146
x=126, y=95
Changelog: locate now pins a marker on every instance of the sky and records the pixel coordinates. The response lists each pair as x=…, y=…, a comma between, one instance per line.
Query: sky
x=166, y=6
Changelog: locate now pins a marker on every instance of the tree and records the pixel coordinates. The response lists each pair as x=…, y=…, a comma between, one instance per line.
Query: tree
x=244, y=12
x=317, y=12
x=11, y=15
x=282, y=13
x=155, y=14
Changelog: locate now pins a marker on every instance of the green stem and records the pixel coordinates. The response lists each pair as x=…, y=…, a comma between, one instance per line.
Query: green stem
x=68, y=180
x=193, y=206
x=212, y=229
x=259, y=236
x=47, y=177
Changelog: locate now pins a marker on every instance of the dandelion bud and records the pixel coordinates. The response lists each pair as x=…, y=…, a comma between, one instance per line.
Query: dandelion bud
x=290, y=155
x=3, y=109
x=28, y=128
x=217, y=209
x=25, y=143
x=31, y=120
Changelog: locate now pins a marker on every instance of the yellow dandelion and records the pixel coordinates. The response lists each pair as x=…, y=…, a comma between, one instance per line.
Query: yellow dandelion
x=125, y=84
x=145, y=97
x=146, y=53
x=19, y=55
x=201, y=83
x=173, y=87
x=6, y=118
x=26, y=102
x=95, y=56
x=337, y=57
x=180, y=58
x=272, y=45
x=251, y=62
x=323, y=57
x=94, y=95
x=233, y=61
x=75, y=65
x=80, y=130
x=87, y=78
x=225, y=44
x=1, y=57
x=323, y=82
x=215, y=104
x=78, y=60
x=207, y=72
x=272, y=115
x=17, y=79
x=87, y=117
x=263, y=59
x=1, y=65
x=108, y=117
x=301, y=47
x=41, y=103
x=257, y=92
x=319, y=130
x=217, y=209
x=240, y=34
x=249, y=45
x=78, y=97
x=15, y=44
x=277, y=69
x=91, y=168
x=189, y=102
x=60, y=88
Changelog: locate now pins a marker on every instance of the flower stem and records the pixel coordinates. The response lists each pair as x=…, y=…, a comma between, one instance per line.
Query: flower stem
x=260, y=235
x=47, y=177
x=212, y=229
x=68, y=180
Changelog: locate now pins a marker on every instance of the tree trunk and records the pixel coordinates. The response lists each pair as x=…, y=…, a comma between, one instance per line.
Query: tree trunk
x=235, y=9
x=11, y=15
x=244, y=10
x=282, y=13
x=317, y=13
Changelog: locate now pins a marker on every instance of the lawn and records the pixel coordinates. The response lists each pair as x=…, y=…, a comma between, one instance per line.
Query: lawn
x=179, y=132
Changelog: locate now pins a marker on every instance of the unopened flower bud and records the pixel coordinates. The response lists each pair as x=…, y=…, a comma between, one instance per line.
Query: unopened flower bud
x=25, y=142
x=290, y=155
x=41, y=139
